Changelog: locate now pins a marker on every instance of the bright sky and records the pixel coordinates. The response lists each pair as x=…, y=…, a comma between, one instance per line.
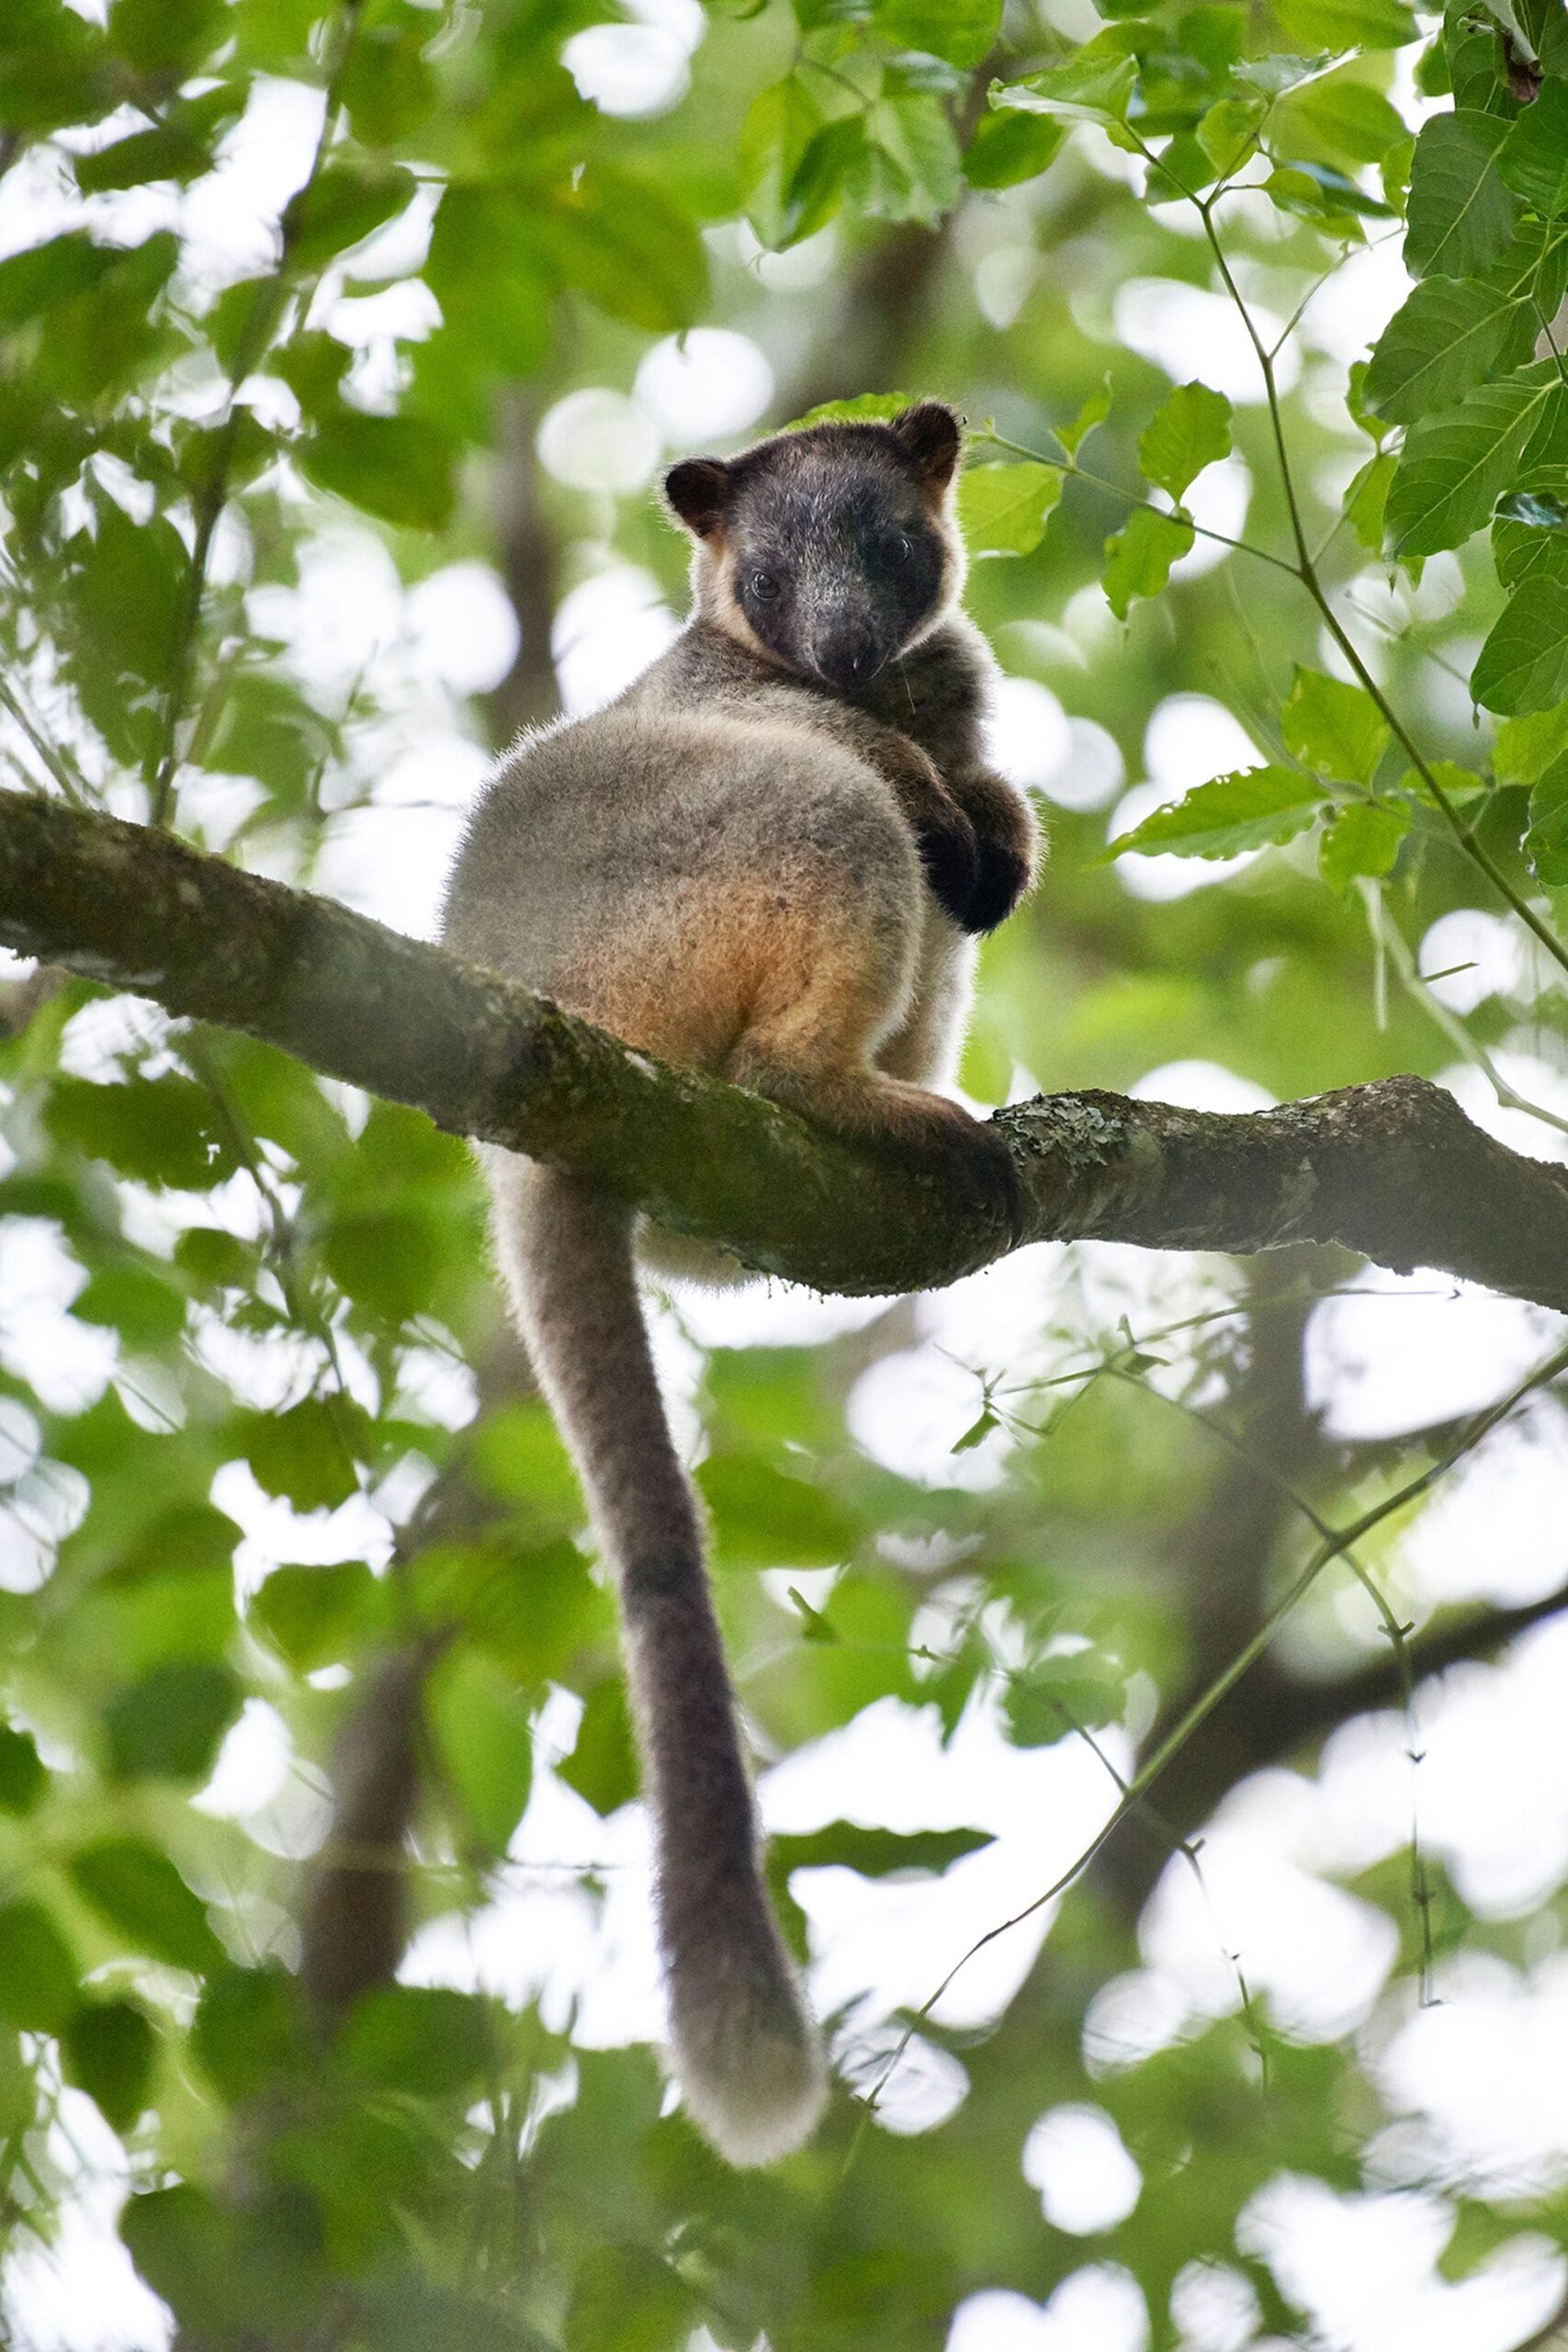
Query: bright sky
x=1479, y=2085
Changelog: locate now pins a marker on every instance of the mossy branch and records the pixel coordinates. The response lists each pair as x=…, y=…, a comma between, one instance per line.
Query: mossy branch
x=1393, y=1171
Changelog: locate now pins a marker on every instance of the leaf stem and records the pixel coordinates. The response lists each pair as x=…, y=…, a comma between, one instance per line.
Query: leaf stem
x=1070, y=467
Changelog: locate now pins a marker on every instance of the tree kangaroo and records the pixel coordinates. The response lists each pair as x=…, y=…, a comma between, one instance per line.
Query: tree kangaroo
x=766, y=859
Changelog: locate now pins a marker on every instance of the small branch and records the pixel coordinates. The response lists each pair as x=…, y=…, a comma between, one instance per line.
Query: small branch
x=1393, y=1171
x=355, y=1925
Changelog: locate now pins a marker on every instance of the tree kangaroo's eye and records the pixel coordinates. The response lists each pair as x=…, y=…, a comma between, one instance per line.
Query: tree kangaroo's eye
x=900, y=548
x=764, y=586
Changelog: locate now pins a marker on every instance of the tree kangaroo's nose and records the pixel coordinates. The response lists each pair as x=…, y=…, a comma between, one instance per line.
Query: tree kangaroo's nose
x=847, y=657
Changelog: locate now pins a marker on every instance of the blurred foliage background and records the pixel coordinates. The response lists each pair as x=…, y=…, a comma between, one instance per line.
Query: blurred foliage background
x=339, y=348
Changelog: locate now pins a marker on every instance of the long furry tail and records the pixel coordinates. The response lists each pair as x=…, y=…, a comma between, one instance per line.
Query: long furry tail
x=747, y=2054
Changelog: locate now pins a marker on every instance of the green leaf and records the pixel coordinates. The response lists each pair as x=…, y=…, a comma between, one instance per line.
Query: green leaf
x=625, y=2301
x=1061, y=1695
x=1546, y=843
x=1458, y=786
x=763, y=1518
x=159, y=1130
x=158, y=35
x=874, y=1853
x=1533, y=159
x=318, y=1616
x=1461, y=214
x=183, y=2246
x=24, y=1779
x=141, y=1895
x=1095, y=86
x=179, y=148
x=963, y=31
x=266, y=729
x=1226, y=132
x=1007, y=149
x=170, y=1724
x=1003, y=510
x=1314, y=192
x=340, y=206
x=1179, y=170
x=834, y=164
x=132, y=1300
x=1346, y=23
x=1138, y=559
x=603, y=1765
x=1523, y=666
x=215, y=1258
x=1366, y=500
x=420, y=2039
x=1445, y=338
x=493, y=292
x=40, y=276
x=779, y=125
x=913, y=130
x=1252, y=809
x=37, y=1970
x=1361, y=840
x=133, y=581
x=385, y=85
x=484, y=1741
x=1094, y=411
x=618, y=239
x=1480, y=2231
x=1338, y=119
x=1529, y=538
x=304, y=1454
x=813, y=1625
x=243, y=320
x=107, y=2050
x=1525, y=747
x=1336, y=728
x=1454, y=468
x=191, y=1540
x=51, y=62
x=976, y=1433
x=1465, y=63
x=390, y=1262
x=248, y=2031
x=1190, y=430
x=398, y=468
x=866, y=408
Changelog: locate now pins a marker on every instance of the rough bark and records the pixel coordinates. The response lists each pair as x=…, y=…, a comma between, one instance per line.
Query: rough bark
x=1393, y=1171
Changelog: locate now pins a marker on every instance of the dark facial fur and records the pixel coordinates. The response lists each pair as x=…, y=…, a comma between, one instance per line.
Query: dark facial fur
x=833, y=549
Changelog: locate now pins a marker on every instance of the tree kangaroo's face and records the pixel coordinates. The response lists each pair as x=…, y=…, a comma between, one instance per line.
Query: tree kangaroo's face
x=830, y=551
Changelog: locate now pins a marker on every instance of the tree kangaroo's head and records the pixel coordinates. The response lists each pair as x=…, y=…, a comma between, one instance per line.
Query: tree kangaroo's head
x=832, y=549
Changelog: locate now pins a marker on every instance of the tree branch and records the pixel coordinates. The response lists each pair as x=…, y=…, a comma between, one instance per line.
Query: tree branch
x=1271, y=1716
x=1393, y=1171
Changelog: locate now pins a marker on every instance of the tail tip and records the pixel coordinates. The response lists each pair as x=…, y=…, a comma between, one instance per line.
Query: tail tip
x=761, y=2099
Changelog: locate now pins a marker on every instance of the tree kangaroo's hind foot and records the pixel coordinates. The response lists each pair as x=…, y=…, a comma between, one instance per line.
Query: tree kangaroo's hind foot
x=969, y=1156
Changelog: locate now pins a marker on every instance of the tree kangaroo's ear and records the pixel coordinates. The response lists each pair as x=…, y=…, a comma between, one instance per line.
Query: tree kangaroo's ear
x=698, y=493
x=930, y=436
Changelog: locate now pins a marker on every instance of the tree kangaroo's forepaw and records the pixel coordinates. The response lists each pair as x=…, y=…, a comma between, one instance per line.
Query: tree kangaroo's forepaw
x=1004, y=875
x=951, y=853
